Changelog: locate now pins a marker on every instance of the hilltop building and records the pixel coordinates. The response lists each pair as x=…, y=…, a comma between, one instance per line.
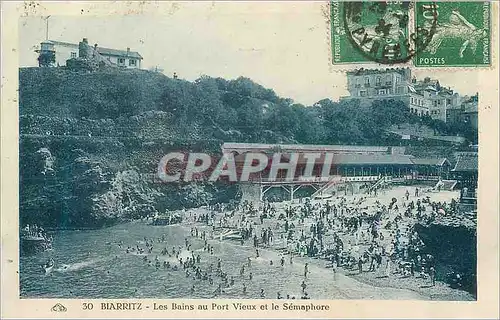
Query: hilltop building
x=66, y=50
x=423, y=97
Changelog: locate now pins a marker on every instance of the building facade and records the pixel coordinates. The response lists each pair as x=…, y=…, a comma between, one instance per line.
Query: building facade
x=66, y=50
x=466, y=112
x=423, y=97
x=369, y=84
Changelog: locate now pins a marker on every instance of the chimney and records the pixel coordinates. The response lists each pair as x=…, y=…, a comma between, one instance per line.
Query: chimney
x=128, y=51
x=85, y=40
x=407, y=73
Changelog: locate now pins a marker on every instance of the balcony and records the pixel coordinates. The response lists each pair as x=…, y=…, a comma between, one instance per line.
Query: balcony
x=382, y=85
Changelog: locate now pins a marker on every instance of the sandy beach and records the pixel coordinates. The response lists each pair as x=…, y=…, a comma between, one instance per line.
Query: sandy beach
x=422, y=286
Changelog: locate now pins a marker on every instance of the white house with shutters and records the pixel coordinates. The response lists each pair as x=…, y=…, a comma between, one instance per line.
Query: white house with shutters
x=66, y=50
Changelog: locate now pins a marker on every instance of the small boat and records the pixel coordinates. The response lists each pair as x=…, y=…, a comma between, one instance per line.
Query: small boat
x=230, y=235
x=323, y=196
x=48, y=266
x=48, y=269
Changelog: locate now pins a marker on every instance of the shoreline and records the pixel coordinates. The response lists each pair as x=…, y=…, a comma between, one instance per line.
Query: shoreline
x=440, y=292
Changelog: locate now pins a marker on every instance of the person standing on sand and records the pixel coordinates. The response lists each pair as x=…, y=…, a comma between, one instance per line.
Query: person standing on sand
x=388, y=267
x=334, y=268
x=432, y=274
x=306, y=270
x=303, y=286
x=360, y=265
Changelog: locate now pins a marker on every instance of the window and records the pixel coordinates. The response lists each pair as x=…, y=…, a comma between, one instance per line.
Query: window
x=382, y=92
x=378, y=81
x=362, y=93
x=73, y=55
x=132, y=62
x=412, y=100
x=121, y=60
x=398, y=79
x=388, y=80
x=367, y=82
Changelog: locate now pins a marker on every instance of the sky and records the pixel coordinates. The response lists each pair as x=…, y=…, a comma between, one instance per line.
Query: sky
x=283, y=46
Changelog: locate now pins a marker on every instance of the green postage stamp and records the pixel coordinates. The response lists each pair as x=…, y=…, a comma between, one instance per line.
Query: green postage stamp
x=369, y=31
x=445, y=34
x=462, y=35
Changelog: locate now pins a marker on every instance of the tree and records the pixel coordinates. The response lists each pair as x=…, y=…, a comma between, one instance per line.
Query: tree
x=46, y=59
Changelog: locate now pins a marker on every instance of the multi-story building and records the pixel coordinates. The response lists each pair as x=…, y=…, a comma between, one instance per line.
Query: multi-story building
x=465, y=112
x=423, y=97
x=369, y=84
x=66, y=50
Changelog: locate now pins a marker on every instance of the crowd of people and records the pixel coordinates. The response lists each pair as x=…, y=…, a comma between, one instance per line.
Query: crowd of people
x=39, y=236
x=357, y=233
x=184, y=259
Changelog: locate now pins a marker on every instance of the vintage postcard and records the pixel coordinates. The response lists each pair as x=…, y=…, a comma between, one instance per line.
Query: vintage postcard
x=196, y=159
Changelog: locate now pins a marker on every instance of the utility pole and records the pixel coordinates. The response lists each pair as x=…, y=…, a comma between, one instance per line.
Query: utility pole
x=47, y=28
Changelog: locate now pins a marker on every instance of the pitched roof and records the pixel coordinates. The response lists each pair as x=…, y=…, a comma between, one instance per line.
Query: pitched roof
x=466, y=164
x=371, y=159
x=362, y=159
x=119, y=53
x=362, y=71
x=430, y=161
x=301, y=147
